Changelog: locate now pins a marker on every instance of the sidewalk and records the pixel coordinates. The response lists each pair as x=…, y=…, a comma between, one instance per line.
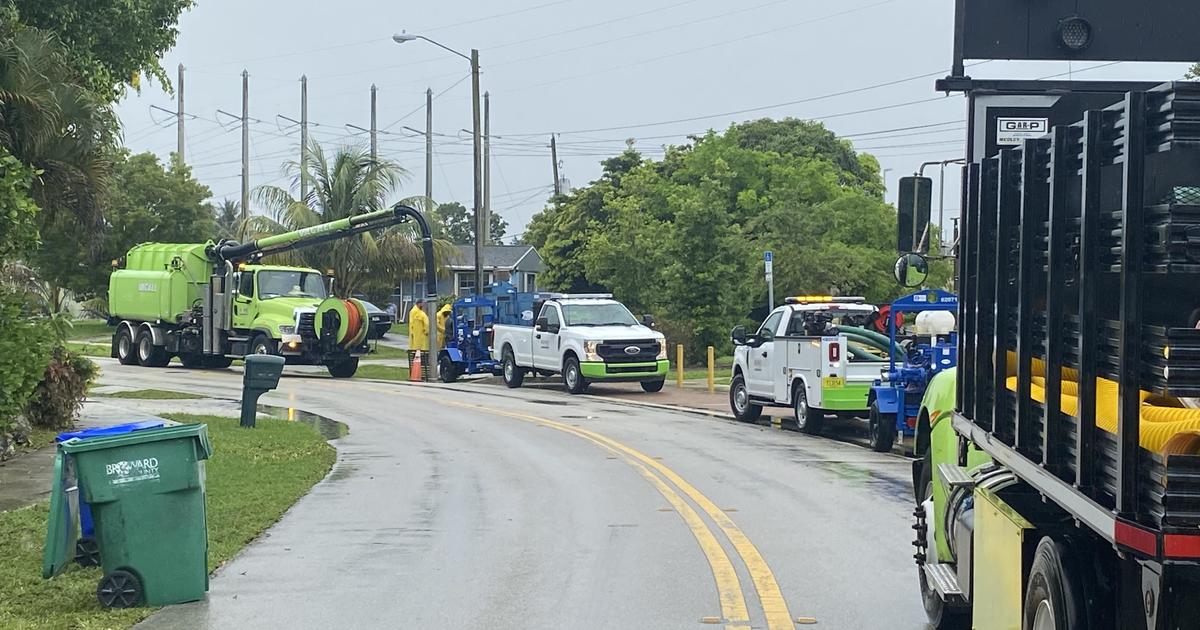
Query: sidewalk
x=25, y=480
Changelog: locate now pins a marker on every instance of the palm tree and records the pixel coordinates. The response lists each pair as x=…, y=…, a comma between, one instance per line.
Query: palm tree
x=53, y=123
x=229, y=218
x=348, y=184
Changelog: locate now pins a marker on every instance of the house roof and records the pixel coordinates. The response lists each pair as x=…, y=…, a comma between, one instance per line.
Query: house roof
x=494, y=256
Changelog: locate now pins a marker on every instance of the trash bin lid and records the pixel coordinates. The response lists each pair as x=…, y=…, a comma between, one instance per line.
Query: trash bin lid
x=115, y=429
x=197, y=431
x=61, y=528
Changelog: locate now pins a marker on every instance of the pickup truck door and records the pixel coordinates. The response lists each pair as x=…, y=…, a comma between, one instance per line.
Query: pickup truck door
x=546, y=340
x=760, y=379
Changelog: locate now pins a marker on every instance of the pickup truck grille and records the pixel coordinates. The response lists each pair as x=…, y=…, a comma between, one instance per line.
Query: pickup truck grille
x=307, y=328
x=614, y=351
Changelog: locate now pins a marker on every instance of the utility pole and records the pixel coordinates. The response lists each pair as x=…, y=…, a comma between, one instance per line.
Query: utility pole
x=487, y=168
x=245, y=151
x=429, y=146
x=480, y=230
x=304, y=138
x=554, y=158
x=179, y=119
x=374, y=127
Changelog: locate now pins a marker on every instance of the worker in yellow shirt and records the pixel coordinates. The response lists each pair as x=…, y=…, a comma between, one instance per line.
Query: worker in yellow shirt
x=443, y=315
x=418, y=327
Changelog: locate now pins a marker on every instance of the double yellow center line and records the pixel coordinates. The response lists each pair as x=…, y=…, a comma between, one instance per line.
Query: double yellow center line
x=729, y=589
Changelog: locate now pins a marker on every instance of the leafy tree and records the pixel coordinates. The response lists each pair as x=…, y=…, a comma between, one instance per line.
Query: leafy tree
x=111, y=42
x=18, y=213
x=455, y=223
x=345, y=184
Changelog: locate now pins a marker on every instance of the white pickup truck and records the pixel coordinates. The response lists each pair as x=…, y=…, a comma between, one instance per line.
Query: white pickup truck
x=586, y=338
x=797, y=360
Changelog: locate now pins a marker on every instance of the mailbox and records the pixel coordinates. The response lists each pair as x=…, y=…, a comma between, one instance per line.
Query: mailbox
x=260, y=376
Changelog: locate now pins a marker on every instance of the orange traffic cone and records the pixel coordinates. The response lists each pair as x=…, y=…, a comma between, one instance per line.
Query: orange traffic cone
x=414, y=367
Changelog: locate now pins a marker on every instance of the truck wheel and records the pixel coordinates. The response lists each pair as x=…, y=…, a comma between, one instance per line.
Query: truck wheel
x=739, y=401
x=882, y=429
x=573, y=377
x=126, y=353
x=447, y=371
x=1053, y=596
x=651, y=387
x=148, y=354
x=262, y=344
x=807, y=420
x=344, y=368
x=513, y=375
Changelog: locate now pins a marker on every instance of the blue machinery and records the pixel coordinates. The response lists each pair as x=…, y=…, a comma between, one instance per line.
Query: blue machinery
x=895, y=399
x=469, y=330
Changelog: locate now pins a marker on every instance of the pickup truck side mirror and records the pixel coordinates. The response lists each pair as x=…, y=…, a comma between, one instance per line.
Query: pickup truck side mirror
x=541, y=324
x=648, y=320
x=738, y=335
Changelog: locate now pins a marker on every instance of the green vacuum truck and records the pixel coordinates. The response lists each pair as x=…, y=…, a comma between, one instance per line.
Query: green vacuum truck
x=210, y=303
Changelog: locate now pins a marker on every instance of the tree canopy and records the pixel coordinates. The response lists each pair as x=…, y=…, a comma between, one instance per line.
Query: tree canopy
x=454, y=223
x=683, y=237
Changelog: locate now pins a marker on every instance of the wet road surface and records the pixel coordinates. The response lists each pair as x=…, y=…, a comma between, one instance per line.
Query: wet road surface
x=472, y=506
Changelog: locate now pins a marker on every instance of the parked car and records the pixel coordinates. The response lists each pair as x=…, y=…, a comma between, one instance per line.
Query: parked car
x=381, y=322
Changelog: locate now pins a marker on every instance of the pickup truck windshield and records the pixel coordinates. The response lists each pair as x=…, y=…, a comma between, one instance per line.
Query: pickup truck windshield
x=598, y=315
x=273, y=284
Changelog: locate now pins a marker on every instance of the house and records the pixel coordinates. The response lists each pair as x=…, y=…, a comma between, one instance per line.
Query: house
x=519, y=265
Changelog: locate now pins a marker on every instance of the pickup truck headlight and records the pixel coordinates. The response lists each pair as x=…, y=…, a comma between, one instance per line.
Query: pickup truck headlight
x=662, y=350
x=589, y=351
x=287, y=330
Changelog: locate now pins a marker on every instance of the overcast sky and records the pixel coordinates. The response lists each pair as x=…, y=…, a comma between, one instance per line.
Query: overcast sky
x=596, y=73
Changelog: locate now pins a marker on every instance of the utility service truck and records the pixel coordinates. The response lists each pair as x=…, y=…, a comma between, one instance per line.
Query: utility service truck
x=811, y=354
x=586, y=339
x=209, y=303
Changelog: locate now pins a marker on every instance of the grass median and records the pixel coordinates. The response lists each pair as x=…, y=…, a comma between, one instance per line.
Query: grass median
x=254, y=476
x=152, y=394
x=382, y=372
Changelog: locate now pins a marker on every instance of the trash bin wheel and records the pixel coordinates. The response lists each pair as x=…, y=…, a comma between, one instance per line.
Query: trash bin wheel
x=87, y=552
x=120, y=589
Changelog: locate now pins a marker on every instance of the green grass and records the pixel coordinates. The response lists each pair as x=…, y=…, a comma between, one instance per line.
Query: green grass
x=90, y=328
x=382, y=372
x=720, y=375
x=399, y=329
x=153, y=394
x=381, y=351
x=88, y=349
x=253, y=477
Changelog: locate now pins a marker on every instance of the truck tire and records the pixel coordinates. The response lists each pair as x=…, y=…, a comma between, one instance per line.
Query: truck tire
x=1053, y=594
x=807, y=420
x=881, y=429
x=513, y=375
x=739, y=401
x=126, y=350
x=652, y=387
x=148, y=354
x=572, y=376
x=447, y=371
x=344, y=368
x=262, y=344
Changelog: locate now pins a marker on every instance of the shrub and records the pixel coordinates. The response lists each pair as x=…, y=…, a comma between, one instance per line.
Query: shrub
x=59, y=396
x=24, y=354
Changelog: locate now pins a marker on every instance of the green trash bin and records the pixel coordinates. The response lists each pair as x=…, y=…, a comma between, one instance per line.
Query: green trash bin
x=146, y=492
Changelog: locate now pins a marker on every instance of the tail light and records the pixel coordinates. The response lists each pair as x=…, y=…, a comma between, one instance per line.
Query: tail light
x=835, y=352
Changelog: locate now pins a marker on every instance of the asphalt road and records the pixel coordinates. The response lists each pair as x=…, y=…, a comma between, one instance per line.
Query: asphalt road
x=473, y=506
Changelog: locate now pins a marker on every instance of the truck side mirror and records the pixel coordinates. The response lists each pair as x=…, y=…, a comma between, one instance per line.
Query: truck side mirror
x=913, y=208
x=648, y=320
x=911, y=270
x=541, y=324
x=738, y=335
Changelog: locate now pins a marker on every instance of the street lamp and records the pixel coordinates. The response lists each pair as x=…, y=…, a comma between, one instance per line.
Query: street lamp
x=480, y=228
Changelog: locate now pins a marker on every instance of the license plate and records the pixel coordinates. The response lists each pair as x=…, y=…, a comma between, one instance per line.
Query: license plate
x=833, y=382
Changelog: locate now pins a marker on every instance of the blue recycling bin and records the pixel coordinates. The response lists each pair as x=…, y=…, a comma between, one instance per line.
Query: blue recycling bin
x=87, y=553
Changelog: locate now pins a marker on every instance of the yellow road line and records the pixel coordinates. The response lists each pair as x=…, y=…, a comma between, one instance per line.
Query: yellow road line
x=769, y=594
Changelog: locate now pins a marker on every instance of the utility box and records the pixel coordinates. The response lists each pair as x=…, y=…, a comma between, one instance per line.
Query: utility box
x=260, y=376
